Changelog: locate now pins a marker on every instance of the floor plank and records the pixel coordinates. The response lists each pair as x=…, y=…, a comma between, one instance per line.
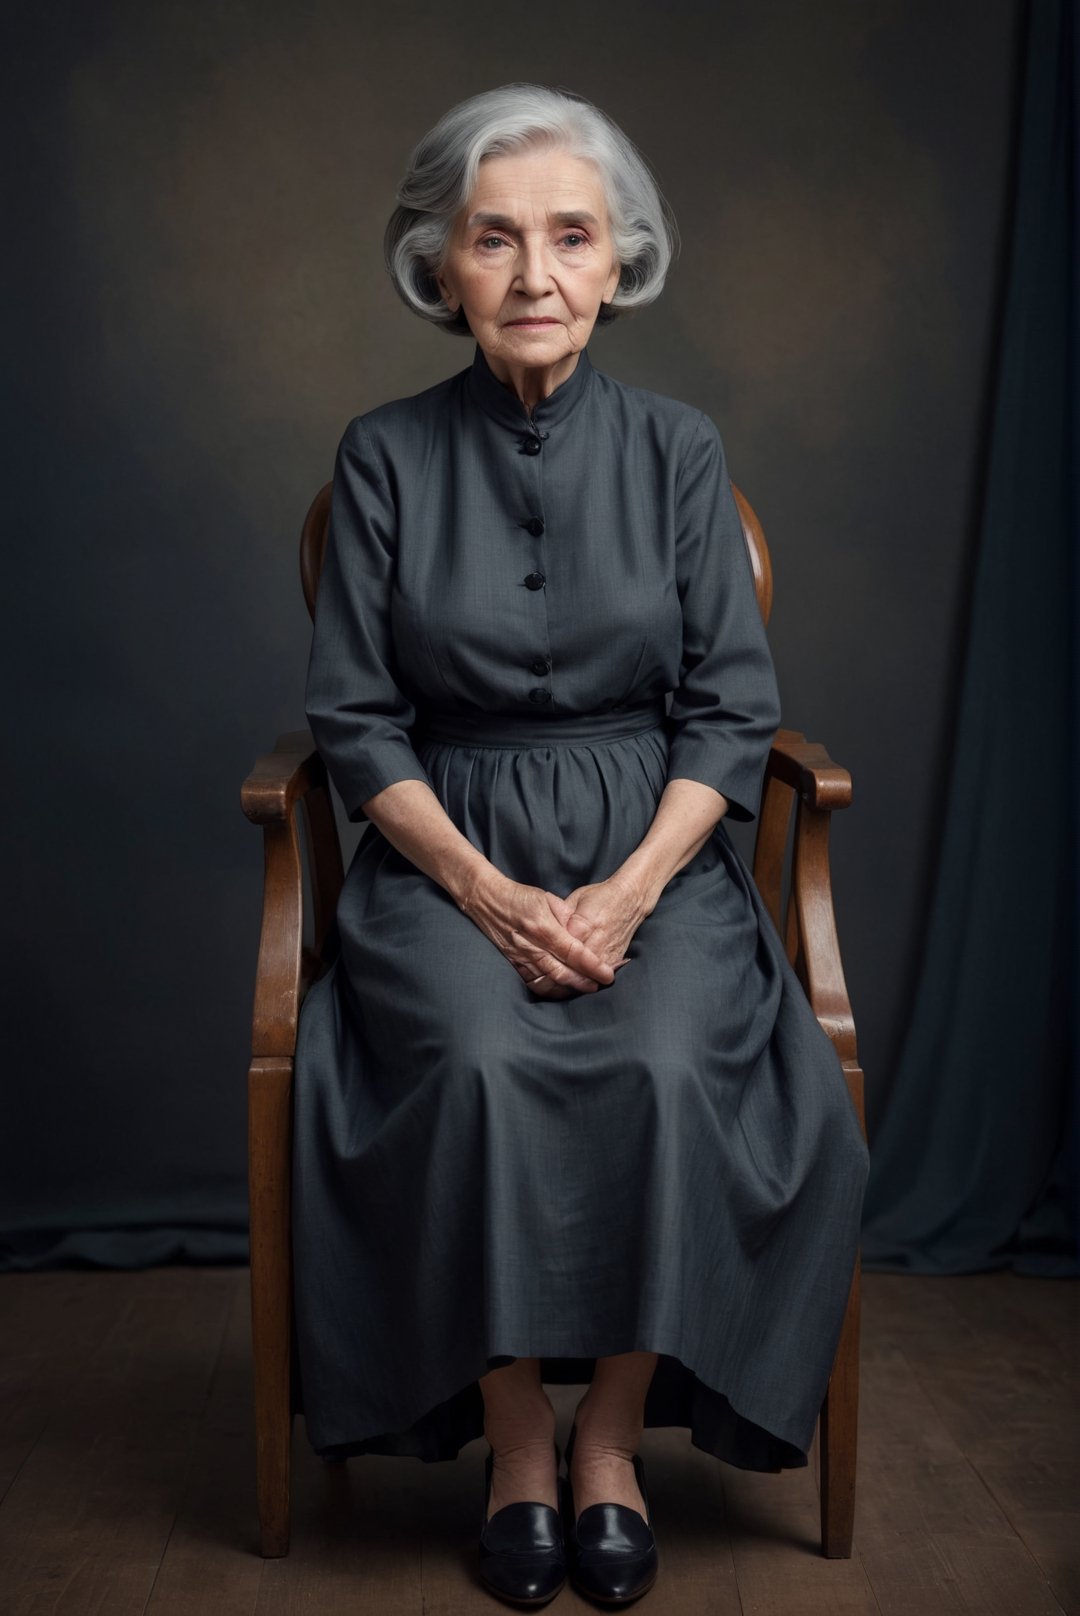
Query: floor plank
x=87, y=1518
x=127, y=1471
x=689, y=1503
x=211, y=1560
x=47, y=1322
x=996, y=1579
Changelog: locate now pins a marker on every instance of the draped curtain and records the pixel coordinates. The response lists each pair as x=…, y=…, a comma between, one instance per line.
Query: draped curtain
x=974, y=1163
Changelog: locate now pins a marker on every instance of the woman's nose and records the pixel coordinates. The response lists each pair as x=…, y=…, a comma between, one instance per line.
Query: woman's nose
x=533, y=269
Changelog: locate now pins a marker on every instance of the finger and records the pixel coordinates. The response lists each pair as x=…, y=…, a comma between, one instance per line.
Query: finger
x=569, y=959
x=569, y=919
x=568, y=915
x=580, y=926
x=533, y=971
x=568, y=976
x=561, y=908
x=556, y=970
x=586, y=961
x=545, y=988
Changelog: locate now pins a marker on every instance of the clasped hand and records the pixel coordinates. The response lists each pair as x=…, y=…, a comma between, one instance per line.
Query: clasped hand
x=571, y=944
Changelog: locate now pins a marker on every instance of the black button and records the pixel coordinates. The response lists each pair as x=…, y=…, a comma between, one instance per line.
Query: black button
x=539, y=694
x=531, y=445
x=535, y=580
x=534, y=526
x=540, y=664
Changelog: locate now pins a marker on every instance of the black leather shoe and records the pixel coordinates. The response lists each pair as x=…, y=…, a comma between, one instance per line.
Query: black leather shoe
x=522, y=1553
x=610, y=1550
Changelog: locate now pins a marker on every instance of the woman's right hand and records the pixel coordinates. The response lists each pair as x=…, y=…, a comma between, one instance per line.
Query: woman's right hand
x=523, y=923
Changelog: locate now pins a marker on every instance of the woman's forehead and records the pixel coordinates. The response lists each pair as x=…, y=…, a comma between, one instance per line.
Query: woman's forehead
x=564, y=189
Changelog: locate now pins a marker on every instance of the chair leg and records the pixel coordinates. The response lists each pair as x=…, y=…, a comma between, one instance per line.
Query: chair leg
x=269, y=1195
x=838, y=1432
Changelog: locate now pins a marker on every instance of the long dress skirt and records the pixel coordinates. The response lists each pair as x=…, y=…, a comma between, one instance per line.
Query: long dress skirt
x=671, y=1164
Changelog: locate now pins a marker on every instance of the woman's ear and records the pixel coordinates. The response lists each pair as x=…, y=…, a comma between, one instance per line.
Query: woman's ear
x=447, y=295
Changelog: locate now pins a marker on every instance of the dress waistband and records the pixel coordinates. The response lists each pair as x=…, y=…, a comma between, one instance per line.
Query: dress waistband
x=524, y=729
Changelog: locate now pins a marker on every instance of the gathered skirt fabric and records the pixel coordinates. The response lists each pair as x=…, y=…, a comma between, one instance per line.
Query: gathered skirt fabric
x=671, y=1164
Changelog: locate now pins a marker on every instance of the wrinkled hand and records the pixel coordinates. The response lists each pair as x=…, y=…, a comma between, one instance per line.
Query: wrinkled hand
x=540, y=934
x=604, y=915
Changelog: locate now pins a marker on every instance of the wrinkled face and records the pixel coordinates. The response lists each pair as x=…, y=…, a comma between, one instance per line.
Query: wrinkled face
x=533, y=245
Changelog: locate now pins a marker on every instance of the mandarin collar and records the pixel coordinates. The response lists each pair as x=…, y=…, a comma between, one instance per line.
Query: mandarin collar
x=500, y=402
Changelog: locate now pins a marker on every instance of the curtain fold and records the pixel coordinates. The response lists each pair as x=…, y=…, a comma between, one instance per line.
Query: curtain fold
x=137, y=1245
x=974, y=1163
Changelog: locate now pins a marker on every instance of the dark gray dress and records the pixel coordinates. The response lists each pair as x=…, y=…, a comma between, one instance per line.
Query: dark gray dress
x=670, y=1164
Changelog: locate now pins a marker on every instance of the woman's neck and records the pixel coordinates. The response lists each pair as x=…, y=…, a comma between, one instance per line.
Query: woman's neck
x=531, y=384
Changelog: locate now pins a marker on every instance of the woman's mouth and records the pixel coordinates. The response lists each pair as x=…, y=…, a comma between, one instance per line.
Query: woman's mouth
x=532, y=322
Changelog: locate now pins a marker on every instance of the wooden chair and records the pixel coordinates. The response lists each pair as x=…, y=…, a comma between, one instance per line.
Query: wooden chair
x=799, y=774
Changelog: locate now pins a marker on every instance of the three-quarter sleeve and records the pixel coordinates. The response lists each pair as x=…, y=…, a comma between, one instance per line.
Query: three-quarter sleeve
x=726, y=708
x=359, y=714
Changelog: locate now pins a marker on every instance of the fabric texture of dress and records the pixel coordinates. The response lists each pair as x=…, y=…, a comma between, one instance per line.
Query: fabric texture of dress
x=545, y=619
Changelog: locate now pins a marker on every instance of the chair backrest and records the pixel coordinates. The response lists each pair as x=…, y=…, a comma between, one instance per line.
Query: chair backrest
x=317, y=521
x=760, y=560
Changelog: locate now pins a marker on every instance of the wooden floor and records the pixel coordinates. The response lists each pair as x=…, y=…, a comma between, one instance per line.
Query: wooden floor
x=126, y=1463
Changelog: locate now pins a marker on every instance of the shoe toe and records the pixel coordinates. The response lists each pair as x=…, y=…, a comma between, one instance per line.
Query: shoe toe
x=628, y=1580
x=521, y=1580
x=614, y=1554
x=521, y=1552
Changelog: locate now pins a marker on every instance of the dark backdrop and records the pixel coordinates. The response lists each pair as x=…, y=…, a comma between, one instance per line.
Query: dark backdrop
x=201, y=192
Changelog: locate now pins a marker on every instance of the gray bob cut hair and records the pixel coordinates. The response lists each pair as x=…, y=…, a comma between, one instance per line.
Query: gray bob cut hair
x=443, y=169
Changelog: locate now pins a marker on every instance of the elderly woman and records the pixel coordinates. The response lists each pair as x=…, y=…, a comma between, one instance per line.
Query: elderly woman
x=499, y=1182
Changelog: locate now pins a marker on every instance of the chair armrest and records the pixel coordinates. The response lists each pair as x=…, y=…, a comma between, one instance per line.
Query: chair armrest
x=280, y=778
x=804, y=768
x=809, y=770
x=293, y=773
x=812, y=934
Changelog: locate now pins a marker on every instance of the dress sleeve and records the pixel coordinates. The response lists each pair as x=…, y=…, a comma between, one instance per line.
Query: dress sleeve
x=726, y=708
x=358, y=712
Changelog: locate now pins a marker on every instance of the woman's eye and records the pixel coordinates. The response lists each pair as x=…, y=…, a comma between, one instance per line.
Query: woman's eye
x=573, y=238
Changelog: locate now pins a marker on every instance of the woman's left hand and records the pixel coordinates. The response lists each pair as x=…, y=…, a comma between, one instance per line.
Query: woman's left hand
x=604, y=914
